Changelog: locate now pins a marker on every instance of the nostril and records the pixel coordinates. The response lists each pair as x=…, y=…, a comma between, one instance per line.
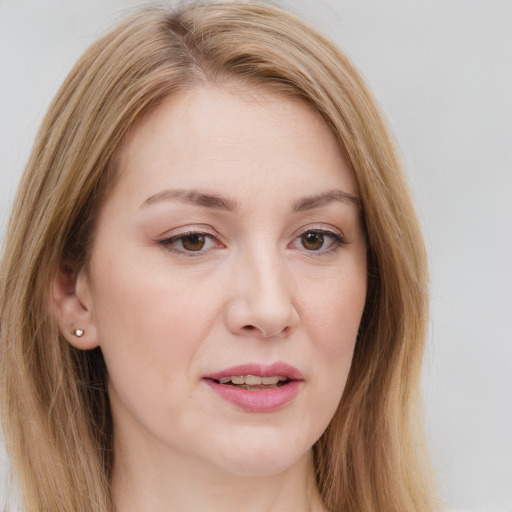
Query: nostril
x=249, y=327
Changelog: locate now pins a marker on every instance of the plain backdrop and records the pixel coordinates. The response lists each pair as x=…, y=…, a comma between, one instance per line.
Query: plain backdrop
x=442, y=71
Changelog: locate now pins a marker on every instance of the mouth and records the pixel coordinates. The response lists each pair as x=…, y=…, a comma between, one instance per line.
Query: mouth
x=257, y=388
x=254, y=382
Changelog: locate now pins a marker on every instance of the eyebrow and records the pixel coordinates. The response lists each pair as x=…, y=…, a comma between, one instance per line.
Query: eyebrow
x=323, y=199
x=217, y=202
x=193, y=197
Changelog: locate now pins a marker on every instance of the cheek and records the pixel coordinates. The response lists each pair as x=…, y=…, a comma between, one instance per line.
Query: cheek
x=148, y=300
x=332, y=316
x=150, y=325
x=332, y=313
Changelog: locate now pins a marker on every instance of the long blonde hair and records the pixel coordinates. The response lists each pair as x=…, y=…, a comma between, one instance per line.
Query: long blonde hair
x=55, y=407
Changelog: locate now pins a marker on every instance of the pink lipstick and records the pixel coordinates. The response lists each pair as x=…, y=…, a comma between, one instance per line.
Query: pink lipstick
x=255, y=387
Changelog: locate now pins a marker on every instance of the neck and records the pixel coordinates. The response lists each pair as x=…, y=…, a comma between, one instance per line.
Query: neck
x=164, y=484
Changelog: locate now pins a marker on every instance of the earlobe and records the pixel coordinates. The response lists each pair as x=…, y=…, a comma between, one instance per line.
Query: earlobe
x=71, y=306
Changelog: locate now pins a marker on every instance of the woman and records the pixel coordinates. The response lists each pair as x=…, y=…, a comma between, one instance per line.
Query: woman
x=214, y=286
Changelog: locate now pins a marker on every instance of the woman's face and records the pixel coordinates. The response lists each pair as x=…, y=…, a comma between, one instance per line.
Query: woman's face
x=230, y=246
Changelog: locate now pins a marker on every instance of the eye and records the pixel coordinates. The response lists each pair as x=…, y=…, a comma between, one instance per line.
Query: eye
x=319, y=240
x=190, y=242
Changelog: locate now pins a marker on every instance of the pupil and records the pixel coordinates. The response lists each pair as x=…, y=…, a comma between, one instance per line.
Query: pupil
x=193, y=242
x=313, y=241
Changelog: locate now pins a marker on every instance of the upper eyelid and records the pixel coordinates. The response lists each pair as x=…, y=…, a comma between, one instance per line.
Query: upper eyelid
x=190, y=230
x=187, y=233
x=324, y=228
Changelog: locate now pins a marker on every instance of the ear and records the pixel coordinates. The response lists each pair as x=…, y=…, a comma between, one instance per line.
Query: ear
x=72, y=308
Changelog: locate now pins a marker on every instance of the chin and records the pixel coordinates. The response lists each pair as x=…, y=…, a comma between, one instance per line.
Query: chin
x=262, y=457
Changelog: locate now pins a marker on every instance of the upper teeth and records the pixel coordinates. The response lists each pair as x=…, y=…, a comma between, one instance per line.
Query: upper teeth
x=252, y=380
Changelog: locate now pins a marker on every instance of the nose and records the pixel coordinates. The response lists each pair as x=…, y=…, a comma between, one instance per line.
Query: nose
x=261, y=302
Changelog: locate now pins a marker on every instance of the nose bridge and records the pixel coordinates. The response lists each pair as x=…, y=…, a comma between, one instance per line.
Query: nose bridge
x=264, y=292
x=267, y=272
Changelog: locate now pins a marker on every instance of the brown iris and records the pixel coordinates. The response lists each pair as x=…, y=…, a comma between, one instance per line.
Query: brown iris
x=312, y=241
x=193, y=242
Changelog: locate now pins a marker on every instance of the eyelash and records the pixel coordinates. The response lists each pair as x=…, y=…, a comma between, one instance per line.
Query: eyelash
x=337, y=241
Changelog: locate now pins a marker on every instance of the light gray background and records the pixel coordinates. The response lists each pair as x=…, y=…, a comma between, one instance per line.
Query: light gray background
x=442, y=70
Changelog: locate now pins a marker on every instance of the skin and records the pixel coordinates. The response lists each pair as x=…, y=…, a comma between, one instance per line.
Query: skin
x=257, y=291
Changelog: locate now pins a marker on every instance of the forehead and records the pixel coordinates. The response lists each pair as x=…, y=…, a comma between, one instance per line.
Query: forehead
x=216, y=136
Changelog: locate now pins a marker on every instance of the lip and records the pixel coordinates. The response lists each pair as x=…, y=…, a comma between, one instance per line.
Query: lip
x=265, y=400
x=279, y=368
